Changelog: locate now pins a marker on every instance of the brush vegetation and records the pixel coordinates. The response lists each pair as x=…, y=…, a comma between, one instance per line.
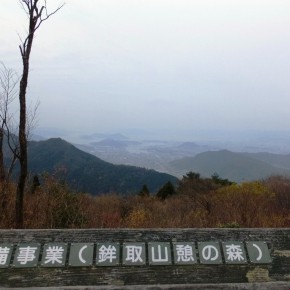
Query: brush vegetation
x=194, y=202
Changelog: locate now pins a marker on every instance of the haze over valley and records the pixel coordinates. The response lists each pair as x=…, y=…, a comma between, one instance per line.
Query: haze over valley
x=239, y=156
x=173, y=86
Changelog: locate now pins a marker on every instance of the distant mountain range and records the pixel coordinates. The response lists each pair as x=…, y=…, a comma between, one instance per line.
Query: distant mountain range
x=113, y=143
x=87, y=173
x=234, y=166
x=179, y=157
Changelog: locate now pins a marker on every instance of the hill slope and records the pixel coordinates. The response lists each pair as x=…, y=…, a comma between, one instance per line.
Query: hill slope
x=233, y=166
x=87, y=173
x=278, y=160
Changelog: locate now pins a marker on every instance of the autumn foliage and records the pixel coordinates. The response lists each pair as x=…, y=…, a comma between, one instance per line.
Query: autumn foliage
x=195, y=202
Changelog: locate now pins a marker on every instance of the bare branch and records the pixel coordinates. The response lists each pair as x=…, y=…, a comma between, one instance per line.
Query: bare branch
x=8, y=91
x=12, y=141
x=47, y=14
x=22, y=5
x=36, y=16
x=32, y=118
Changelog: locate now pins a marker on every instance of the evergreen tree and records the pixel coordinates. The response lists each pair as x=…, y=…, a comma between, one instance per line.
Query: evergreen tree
x=35, y=184
x=166, y=191
x=144, y=192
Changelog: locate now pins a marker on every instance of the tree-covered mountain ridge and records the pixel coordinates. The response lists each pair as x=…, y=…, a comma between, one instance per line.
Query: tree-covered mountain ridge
x=87, y=173
x=235, y=166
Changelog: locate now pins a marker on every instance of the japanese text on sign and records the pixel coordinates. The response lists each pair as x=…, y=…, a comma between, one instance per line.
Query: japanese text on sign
x=133, y=254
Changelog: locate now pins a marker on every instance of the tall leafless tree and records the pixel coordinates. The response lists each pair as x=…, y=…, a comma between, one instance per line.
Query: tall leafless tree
x=37, y=13
x=8, y=84
x=8, y=134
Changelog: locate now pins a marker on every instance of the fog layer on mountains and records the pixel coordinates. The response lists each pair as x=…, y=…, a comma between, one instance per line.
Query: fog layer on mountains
x=174, y=67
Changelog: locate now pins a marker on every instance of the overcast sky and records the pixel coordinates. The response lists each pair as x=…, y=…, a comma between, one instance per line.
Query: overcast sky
x=157, y=65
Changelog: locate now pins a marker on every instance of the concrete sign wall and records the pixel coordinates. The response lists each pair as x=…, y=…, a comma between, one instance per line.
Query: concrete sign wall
x=124, y=257
x=133, y=254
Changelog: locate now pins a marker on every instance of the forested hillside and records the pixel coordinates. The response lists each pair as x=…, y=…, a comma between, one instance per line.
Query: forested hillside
x=234, y=166
x=87, y=173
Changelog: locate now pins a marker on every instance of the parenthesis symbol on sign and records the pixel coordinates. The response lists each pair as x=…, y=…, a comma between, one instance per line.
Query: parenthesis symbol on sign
x=260, y=252
x=80, y=254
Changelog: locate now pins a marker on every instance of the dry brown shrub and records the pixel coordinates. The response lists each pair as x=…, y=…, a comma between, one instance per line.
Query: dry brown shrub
x=54, y=205
x=103, y=211
x=7, y=205
x=247, y=204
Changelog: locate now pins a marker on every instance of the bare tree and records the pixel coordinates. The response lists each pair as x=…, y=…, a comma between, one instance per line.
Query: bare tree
x=8, y=92
x=37, y=13
x=8, y=83
x=9, y=146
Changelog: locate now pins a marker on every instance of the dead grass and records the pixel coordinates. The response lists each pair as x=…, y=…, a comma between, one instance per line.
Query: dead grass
x=53, y=205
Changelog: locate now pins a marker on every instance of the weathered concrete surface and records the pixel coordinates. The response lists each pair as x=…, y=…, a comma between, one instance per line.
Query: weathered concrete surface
x=229, y=286
x=275, y=275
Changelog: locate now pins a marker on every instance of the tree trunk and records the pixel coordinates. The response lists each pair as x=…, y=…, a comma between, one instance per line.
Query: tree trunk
x=2, y=167
x=3, y=189
x=34, y=12
x=25, y=52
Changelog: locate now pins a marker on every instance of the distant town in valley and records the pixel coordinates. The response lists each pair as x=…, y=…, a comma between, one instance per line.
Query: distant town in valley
x=238, y=156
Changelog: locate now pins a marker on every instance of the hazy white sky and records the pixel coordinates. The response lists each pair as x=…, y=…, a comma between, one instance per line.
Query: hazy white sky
x=109, y=65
